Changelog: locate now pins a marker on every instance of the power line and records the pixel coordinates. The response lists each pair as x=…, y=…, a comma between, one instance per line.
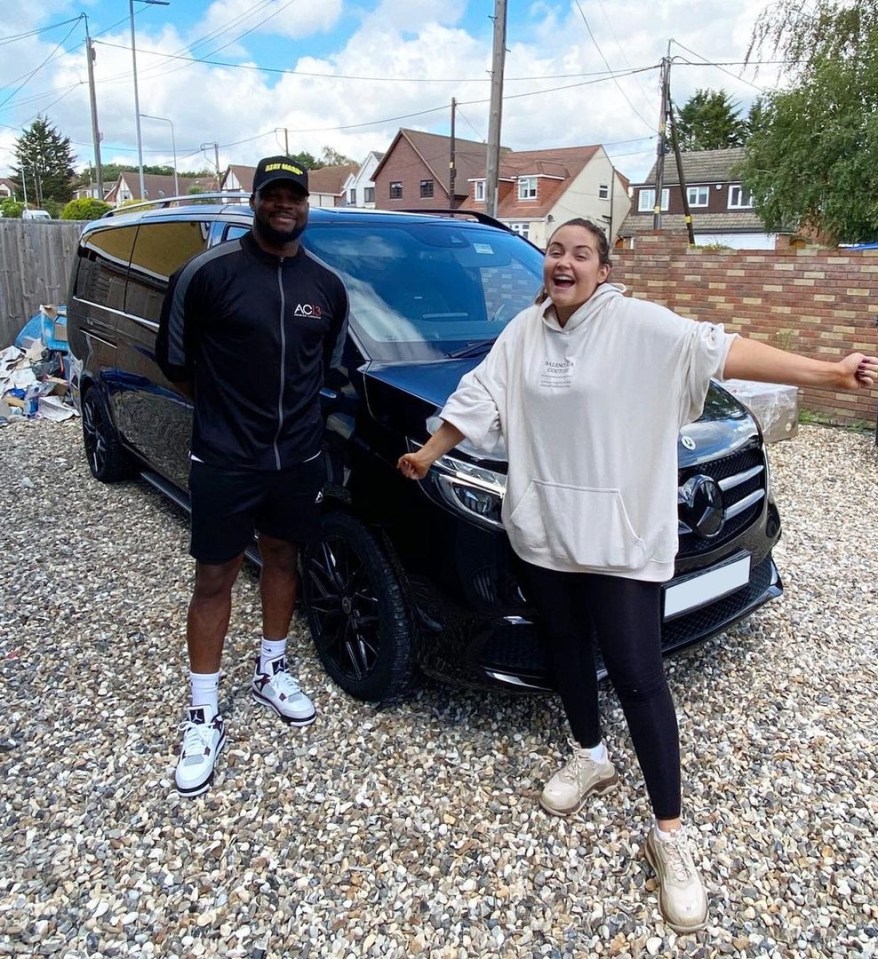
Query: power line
x=601, y=53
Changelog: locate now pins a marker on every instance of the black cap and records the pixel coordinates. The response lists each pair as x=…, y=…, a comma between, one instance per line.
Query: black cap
x=270, y=169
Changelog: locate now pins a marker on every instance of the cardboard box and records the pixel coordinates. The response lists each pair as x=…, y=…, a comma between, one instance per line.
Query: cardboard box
x=775, y=406
x=54, y=328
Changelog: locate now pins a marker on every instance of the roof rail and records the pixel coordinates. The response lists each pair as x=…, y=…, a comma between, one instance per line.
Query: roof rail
x=188, y=200
x=475, y=214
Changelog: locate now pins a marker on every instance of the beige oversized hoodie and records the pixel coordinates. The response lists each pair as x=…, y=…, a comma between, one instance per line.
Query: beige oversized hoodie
x=590, y=414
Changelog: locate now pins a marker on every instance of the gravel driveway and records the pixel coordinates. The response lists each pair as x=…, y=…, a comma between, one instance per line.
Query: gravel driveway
x=413, y=831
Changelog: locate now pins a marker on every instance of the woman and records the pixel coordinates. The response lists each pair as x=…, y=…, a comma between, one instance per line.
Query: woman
x=589, y=389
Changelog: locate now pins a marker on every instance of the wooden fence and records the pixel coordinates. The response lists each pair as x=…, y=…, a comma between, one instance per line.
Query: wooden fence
x=35, y=260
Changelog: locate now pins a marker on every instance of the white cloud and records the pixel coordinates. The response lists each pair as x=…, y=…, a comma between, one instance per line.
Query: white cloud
x=421, y=41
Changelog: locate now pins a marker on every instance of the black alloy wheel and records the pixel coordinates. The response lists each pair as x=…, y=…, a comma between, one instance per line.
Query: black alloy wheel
x=357, y=612
x=108, y=460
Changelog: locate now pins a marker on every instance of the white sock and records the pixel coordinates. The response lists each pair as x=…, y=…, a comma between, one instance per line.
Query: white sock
x=597, y=754
x=663, y=836
x=271, y=649
x=205, y=690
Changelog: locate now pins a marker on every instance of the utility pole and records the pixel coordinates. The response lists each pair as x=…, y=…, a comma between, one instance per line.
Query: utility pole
x=95, y=132
x=215, y=146
x=662, y=143
x=681, y=177
x=493, y=168
x=452, y=171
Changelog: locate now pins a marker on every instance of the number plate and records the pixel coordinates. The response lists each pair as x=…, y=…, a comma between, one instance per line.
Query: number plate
x=707, y=587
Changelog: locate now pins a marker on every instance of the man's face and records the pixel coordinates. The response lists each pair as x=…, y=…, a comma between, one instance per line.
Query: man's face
x=280, y=212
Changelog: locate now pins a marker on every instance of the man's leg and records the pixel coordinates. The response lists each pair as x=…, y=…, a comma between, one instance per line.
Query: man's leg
x=204, y=731
x=209, y=612
x=278, y=585
x=273, y=684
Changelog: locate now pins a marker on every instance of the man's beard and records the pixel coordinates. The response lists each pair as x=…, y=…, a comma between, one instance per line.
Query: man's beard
x=277, y=237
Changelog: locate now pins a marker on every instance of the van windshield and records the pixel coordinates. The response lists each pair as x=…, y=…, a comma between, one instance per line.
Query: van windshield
x=423, y=291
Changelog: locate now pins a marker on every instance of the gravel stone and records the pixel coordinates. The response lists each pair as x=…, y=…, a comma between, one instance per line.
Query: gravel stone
x=413, y=829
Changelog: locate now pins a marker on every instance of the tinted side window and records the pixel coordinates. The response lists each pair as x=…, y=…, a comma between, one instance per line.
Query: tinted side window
x=159, y=250
x=103, y=259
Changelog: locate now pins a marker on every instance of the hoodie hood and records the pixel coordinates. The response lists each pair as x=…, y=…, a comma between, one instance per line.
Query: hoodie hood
x=605, y=295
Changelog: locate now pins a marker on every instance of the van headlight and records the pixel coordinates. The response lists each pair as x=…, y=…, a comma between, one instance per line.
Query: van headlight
x=469, y=489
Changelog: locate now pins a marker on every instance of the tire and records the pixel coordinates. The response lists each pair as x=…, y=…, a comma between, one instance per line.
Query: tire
x=357, y=612
x=108, y=459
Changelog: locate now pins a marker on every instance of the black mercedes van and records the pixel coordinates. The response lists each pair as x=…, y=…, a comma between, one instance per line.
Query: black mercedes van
x=408, y=577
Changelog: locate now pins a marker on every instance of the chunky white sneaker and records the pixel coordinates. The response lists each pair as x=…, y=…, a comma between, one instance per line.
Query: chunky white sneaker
x=204, y=735
x=279, y=689
x=565, y=793
x=682, y=899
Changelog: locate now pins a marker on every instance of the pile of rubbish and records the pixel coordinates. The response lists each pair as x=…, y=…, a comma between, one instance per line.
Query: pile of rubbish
x=35, y=371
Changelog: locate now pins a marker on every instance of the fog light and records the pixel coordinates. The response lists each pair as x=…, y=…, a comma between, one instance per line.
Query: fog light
x=479, y=501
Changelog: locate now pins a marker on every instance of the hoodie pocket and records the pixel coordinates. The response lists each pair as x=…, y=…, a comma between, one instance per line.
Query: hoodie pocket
x=576, y=526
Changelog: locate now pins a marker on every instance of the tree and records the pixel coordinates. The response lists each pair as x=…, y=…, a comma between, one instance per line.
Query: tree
x=85, y=208
x=709, y=121
x=45, y=164
x=307, y=161
x=814, y=164
x=331, y=157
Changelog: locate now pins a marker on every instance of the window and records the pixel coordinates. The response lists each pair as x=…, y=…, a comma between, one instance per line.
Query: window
x=159, y=250
x=740, y=197
x=522, y=229
x=395, y=189
x=369, y=194
x=479, y=190
x=103, y=266
x=698, y=195
x=352, y=196
x=604, y=191
x=646, y=200
x=426, y=188
x=527, y=188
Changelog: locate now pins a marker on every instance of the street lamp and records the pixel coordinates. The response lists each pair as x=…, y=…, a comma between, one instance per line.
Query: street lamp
x=173, y=147
x=157, y=3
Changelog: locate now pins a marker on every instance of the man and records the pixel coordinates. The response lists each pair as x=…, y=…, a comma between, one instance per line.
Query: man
x=249, y=330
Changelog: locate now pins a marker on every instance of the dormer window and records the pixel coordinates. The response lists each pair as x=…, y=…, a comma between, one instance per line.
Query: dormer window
x=527, y=188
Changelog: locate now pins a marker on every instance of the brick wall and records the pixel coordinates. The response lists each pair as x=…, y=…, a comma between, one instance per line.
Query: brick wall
x=404, y=166
x=821, y=303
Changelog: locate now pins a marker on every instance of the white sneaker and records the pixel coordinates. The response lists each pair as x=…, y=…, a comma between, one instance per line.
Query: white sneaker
x=682, y=899
x=566, y=792
x=279, y=689
x=204, y=735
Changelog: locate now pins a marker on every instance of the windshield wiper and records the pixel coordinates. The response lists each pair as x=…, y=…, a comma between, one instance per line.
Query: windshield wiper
x=476, y=348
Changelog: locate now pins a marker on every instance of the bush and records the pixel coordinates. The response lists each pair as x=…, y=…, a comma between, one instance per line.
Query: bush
x=85, y=208
x=10, y=207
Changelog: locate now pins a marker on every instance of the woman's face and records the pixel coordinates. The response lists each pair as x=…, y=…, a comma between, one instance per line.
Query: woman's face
x=572, y=269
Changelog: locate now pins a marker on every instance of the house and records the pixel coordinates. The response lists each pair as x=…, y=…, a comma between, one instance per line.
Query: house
x=156, y=186
x=359, y=188
x=416, y=173
x=537, y=189
x=7, y=188
x=719, y=203
x=238, y=178
x=326, y=185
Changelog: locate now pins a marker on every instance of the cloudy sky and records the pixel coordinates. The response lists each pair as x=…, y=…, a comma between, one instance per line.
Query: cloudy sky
x=254, y=75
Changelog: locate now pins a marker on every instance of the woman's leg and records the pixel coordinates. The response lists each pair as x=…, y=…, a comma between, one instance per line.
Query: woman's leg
x=568, y=633
x=627, y=616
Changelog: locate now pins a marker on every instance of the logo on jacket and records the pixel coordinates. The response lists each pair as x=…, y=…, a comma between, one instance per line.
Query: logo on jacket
x=307, y=309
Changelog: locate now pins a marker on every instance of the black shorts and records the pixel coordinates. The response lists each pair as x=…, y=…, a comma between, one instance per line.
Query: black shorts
x=228, y=505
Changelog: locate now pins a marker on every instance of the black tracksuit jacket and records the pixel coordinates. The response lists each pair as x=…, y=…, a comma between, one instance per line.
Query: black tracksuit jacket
x=256, y=334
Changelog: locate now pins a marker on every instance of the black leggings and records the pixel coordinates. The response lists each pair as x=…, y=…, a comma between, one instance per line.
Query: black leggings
x=624, y=615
